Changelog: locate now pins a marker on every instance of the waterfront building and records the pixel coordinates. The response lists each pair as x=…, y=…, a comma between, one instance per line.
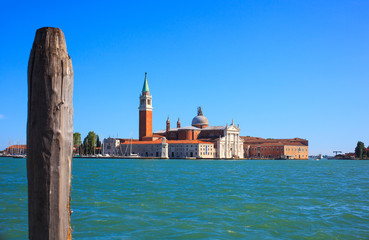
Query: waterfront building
x=111, y=146
x=200, y=140
x=223, y=141
x=16, y=150
x=350, y=155
x=260, y=148
x=160, y=148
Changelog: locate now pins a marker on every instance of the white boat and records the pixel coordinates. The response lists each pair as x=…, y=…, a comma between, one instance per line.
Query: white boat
x=132, y=155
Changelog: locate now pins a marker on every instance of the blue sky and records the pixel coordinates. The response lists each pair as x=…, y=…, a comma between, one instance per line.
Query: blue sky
x=280, y=69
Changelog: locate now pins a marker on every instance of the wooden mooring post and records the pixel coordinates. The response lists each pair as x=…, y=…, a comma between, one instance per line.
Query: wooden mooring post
x=49, y=136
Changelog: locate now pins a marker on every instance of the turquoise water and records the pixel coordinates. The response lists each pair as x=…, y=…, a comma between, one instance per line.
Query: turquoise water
x=189, y=199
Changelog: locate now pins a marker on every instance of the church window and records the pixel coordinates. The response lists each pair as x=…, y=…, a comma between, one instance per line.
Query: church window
x=142, y=102
x=149, y=102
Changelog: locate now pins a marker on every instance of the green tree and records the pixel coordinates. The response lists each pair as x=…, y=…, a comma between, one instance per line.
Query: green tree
x=77, y=139
x=359, y=150
x=90, y=143
x=85, y=146
x=98, y=143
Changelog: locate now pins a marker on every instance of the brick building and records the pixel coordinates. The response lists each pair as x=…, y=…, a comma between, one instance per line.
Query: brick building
x=16, y=150
x=225, y=140
x=260, y=148
x=200, y=140
x=196, y=141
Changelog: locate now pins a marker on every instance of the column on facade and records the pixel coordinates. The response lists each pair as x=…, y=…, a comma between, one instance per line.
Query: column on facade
x=236, y=141
x=234, y=144
x=225, y=145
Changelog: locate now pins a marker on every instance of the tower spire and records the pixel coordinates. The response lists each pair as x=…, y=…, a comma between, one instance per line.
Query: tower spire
x=145, y=87
x=168, y=124
x=145, y=108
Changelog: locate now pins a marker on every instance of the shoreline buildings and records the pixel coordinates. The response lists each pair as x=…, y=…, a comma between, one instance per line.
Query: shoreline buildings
x=200, y=140
x=196, y=141
x=261, y=148
x=19, y=149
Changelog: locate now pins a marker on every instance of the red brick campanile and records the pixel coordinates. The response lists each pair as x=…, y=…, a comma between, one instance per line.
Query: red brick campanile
x=145, y=121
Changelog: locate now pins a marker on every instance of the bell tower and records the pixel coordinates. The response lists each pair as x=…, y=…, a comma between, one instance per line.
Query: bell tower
x=168, y=125
x=145, y=121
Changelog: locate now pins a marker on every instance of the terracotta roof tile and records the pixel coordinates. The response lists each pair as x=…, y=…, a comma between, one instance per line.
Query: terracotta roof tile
x=159, y=141
x=262, y=141
x=17, y=146
x=187, y=142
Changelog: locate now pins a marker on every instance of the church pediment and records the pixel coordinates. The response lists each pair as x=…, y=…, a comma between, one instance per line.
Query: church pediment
x=233, y=128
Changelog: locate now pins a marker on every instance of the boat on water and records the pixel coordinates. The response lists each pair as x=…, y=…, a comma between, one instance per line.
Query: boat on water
x=132, y=155
x=20, y=156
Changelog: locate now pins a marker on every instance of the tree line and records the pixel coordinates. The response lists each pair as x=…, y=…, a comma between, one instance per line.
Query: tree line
x=361, y=152
x=91, y=144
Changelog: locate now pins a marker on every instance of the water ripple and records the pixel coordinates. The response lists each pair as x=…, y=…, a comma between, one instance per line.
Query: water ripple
x=182, y=199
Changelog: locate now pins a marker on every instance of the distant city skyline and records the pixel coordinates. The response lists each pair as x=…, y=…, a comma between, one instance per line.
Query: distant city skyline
x=280, y=70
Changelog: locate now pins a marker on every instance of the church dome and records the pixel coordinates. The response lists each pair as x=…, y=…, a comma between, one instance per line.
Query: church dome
x=200, y=120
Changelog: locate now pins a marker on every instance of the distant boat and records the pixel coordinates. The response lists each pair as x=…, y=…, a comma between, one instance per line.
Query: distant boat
x=132, y=155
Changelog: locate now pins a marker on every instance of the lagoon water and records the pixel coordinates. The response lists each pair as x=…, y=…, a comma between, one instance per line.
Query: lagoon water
x=207, y=199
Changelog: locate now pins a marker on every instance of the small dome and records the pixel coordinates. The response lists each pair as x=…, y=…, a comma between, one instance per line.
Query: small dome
x=200, y=121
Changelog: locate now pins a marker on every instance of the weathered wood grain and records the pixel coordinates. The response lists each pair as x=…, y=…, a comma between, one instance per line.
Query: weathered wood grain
x=49, y=136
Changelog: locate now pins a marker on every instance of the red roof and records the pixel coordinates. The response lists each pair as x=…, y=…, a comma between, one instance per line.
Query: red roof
x=18, y=147
x=187, y=142
x=156, y=135
x=276, y=142
x=159, y=141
